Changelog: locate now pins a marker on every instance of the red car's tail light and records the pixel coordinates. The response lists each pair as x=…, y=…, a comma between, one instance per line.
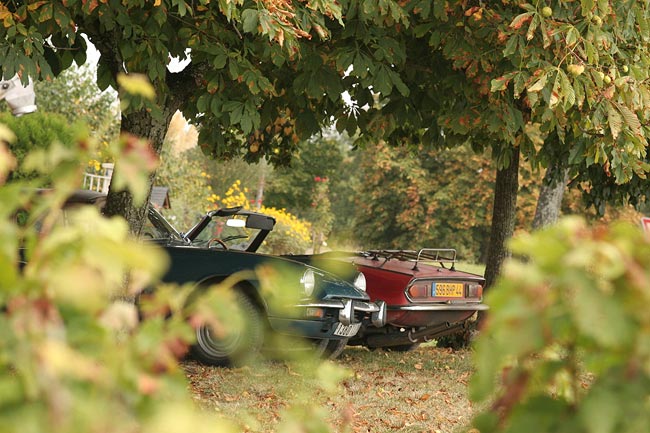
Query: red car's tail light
x=474, y=290
x=419, y=291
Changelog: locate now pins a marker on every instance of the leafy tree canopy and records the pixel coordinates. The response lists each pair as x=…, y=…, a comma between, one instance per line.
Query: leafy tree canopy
x=233, y=45
x=512, y=72
x=266, y=74
x=508, y=74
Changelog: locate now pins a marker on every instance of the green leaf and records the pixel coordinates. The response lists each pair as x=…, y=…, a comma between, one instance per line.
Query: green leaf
x=202, y=103
x=382, y=82
x=511, y=45
x=104, y=76
x=219, y=60
x=615, y=120
x=519, y=84
x=587, y=5
x=568, y=94
x=235, y=110
x=250, y=19
x=597, y=315
x=591, y=52
x=421, y=30
x=631, y=119
x=572, y=36
x=402, y=88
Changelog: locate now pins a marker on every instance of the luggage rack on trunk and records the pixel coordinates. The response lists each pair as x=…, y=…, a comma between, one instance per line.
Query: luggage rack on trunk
x=437, y=255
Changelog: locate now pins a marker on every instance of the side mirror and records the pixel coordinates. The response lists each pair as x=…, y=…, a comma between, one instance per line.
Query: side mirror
x=21, y=99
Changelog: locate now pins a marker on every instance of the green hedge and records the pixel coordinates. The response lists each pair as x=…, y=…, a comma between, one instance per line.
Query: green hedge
x=38, y=131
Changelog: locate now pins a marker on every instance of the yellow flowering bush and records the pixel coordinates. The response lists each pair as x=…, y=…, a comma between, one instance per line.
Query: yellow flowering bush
x=291, y=235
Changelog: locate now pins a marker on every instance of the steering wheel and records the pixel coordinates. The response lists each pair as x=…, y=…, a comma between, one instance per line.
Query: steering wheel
x=219, y=241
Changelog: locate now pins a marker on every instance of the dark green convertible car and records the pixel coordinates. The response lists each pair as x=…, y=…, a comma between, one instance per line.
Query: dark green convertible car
x=276, y=296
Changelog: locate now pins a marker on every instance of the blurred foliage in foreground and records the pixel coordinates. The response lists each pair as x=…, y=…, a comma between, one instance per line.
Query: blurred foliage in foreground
x=75, y=355
x=567, y=341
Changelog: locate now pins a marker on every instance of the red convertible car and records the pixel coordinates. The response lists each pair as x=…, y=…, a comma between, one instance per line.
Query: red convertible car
x=426, y=296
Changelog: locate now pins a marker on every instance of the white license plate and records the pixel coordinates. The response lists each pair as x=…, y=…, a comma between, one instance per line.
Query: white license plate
x=347, y=330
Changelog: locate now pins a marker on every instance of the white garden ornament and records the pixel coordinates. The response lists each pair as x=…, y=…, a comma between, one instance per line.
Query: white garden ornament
x=21, y=99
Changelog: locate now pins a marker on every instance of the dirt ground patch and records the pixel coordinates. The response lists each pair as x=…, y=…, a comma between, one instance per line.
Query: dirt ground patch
x=420, y=391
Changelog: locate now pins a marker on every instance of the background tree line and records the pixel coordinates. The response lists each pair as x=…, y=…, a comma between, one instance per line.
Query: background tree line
x=380, y=196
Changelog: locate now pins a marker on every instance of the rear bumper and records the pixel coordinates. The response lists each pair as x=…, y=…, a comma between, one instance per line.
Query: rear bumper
x=439, y=307
x=431, y=315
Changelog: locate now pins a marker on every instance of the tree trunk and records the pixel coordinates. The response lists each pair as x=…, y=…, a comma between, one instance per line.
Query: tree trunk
x=503, y=218
x=153, y=129
x=550, y=196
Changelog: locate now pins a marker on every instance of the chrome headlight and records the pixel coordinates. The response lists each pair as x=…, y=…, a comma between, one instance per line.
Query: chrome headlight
x=308, y=281
x=360, y=281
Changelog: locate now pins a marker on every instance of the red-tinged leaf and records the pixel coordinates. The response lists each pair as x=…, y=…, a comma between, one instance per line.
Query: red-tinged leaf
x=520, y=20
x=501, y=83
x=555, y=98
x=92, y=5
x=471, y=10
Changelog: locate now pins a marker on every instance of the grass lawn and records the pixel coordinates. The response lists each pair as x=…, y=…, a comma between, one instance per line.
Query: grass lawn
x=420, y=391
x=471, y=267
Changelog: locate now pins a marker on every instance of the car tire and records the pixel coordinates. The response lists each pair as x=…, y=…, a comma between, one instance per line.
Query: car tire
x=330, y=348
x=237, y=348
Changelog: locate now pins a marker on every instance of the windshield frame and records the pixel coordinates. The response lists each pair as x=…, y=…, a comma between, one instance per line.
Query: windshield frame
x=254, y=220
x=162, y=224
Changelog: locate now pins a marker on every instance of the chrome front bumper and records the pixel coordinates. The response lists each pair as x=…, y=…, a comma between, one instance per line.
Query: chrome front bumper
x=348, y=307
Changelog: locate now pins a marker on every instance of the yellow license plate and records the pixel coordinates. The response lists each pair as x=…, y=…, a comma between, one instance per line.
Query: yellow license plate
x=447, y=290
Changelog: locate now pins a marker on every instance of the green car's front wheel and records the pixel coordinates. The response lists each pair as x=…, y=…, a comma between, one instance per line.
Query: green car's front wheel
x=236, y=343
x=330, y=348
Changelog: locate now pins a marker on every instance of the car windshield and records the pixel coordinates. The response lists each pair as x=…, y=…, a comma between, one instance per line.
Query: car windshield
x=230, y=232
x=157, y=228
